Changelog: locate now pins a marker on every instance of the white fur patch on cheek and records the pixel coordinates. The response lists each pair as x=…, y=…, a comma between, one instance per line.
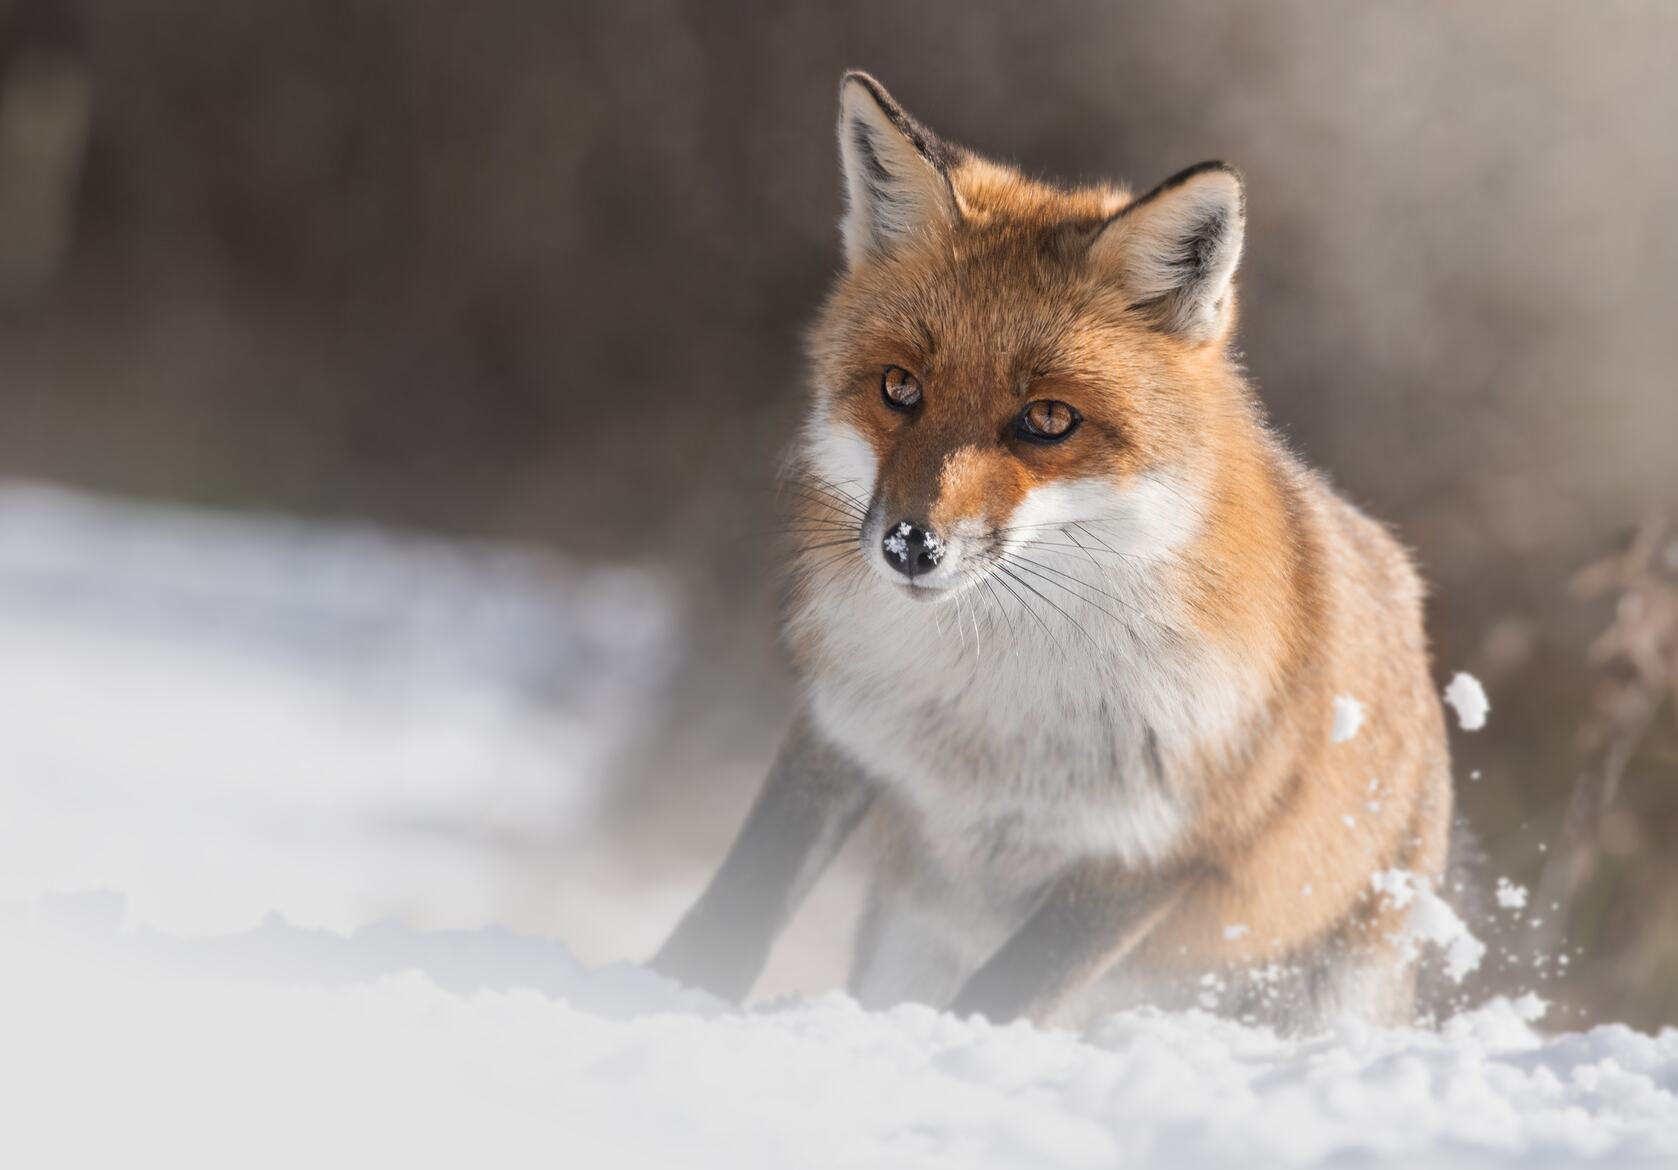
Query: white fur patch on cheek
x=1148, y=518
x=840, y=454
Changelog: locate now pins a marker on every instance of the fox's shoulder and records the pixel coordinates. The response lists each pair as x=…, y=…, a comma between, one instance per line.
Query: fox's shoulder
x=1368, y=548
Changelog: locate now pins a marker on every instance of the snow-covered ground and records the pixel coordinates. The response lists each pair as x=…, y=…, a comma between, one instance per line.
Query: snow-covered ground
x=222, y=717
x=278, y=803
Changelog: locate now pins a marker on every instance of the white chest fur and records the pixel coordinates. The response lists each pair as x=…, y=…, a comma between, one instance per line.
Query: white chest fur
x=1022, y=747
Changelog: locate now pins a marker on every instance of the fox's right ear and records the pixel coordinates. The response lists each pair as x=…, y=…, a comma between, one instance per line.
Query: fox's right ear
x=897, y=181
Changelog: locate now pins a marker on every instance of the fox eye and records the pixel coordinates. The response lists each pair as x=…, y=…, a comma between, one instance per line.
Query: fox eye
x=1047, y=421
x=900, y=388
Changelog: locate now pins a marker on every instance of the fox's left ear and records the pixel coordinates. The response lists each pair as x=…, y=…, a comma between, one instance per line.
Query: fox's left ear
x=1175, y=249
x=897, y=180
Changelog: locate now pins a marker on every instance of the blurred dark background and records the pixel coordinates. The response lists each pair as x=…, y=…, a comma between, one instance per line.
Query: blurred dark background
x=536, y=269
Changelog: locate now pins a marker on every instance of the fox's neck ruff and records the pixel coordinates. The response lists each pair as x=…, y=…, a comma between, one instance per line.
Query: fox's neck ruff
x=1064, y=693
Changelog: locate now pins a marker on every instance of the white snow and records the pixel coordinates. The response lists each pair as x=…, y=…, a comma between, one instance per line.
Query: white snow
x=1397, y=886
x=223, y=717
x=1431, y=920
x=934, y=545
x=384, y=739
x=1348, y=718
x=1509, y=895
x=897, y=543
x=1465, y=693
x=396, y=1048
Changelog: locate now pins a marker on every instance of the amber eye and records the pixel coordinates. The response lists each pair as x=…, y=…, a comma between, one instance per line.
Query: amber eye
x=1047, y=421
x=900, y=388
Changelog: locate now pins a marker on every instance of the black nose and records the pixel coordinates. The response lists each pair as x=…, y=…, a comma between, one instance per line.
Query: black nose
x=911, y=549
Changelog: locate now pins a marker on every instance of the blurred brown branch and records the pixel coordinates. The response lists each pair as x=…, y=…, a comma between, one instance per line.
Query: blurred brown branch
x=1636, y=665
x=46, y=111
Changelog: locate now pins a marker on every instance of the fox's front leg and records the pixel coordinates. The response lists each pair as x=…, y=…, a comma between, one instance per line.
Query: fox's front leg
x=1092, y=916
x=808, y=806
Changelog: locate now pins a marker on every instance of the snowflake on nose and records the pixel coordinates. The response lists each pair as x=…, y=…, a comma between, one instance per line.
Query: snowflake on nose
x=897, y=544
x=933, y=547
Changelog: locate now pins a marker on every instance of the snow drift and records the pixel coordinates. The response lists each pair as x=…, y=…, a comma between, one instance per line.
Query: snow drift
x=318, y=770
x=389, y=1047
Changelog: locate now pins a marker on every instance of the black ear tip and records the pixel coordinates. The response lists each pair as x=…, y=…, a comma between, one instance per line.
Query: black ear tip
x=1232, y=171
x=1216, y=166
x=869, y=83
x=1189, y=175
x=1234, y=175
x=853, y=110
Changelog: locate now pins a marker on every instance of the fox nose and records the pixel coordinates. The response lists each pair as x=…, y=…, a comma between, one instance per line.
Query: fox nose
x=911, y=549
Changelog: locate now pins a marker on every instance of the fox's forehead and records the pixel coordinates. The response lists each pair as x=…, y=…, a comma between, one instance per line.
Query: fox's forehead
x=953, y=328
x=993, y=195
x=1006, y=291
x=997, y=306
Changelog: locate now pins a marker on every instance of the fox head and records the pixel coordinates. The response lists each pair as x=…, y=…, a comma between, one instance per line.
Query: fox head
x=1004, y=363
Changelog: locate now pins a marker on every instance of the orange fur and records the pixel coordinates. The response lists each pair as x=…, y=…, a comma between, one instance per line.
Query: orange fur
x=1297, y=592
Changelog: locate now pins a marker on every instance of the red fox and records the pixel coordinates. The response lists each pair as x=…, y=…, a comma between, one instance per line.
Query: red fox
x=1071, y=624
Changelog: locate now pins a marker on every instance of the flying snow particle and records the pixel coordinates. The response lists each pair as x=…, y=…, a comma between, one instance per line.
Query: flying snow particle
x=1396, y=885
x=1431, y=920
x=1469, y=698
x=1234, y=931
x=1510, y=896
x=1348, y=717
